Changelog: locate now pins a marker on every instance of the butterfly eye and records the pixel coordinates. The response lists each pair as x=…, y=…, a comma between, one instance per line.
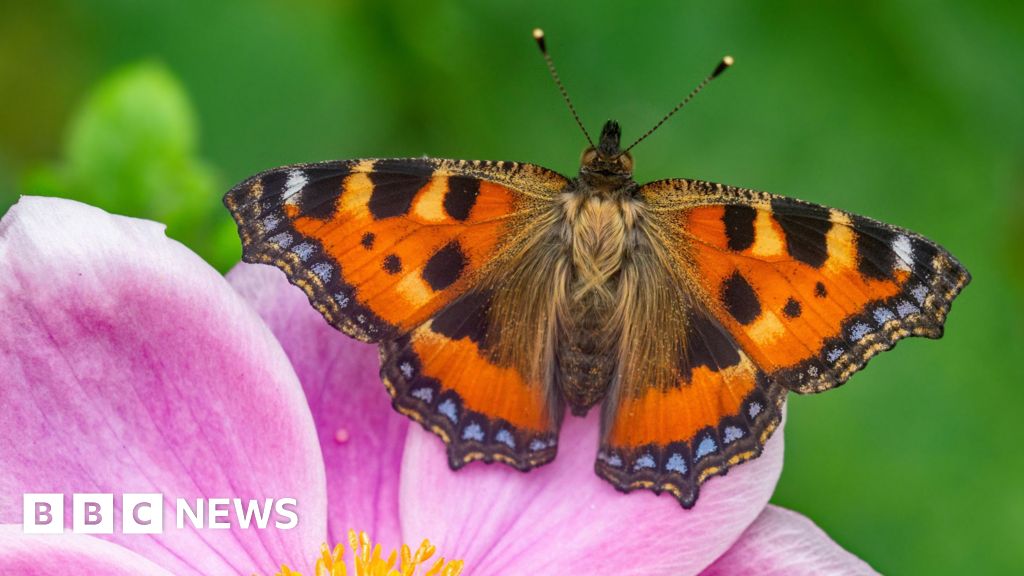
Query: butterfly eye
x=589, y=156
x=626, y=160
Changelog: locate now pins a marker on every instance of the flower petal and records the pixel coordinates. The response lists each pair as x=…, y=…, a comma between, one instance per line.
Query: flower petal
x=784, y=542
x=362, y=437
x=48, y=554
x=131, y=366
x=562, y=518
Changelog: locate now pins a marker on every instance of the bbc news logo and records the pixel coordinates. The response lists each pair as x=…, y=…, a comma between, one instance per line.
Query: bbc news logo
x=144, y=513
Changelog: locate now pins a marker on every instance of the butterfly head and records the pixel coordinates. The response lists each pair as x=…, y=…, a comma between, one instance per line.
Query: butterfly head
x=607, y=162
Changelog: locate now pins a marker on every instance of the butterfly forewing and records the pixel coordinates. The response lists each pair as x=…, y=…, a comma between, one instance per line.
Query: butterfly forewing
x=810, y=293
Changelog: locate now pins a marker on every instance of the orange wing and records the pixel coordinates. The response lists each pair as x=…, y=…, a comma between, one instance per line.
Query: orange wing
x=788, y=296
x=444, y=375
x=379, y=246
x=390, y=251
x=719, y=413
x=810, y=293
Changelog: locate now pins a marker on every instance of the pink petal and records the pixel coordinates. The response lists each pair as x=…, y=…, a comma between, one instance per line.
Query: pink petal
x=782, y=542
x=563, y=519
x=361, y=435
x=130, y=365
x=46, y=555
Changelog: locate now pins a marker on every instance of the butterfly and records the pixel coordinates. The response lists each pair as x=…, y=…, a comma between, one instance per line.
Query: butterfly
x=502, y=293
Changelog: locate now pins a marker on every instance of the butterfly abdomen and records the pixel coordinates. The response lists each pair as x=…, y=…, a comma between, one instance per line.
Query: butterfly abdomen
x=597, y=230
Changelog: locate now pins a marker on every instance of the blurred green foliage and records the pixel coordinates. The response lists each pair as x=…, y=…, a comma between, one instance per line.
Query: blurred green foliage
x=909, y=111
x=132, y=147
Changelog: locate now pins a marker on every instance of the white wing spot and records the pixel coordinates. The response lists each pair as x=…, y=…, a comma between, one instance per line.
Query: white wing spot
x=754, y=409
x=296, y=181
x=904, y=252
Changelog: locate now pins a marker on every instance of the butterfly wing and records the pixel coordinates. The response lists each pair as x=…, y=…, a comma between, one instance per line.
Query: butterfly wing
x=391, y=251
x=810, y=293
x=445, y=375
x=719, y=412
x=803, y=294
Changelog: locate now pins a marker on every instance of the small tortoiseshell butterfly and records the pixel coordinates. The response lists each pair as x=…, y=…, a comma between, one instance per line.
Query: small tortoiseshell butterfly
x=500, y=293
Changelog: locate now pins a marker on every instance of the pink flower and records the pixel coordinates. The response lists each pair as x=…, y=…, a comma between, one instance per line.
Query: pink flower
x=128, y=365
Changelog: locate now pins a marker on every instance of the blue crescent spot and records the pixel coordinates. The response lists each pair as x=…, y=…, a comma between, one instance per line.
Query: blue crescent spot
x=283, y=240
x=425, y=394
x=323, y=271
x=859, y=330
x=303, y=251
x=732, y=433
x=904, y=308
x=919, y=292
x=473, y=432
x=676, y=463
x=645, y=461
x=506, y=438
x=448, y=409
x=883, y=315
x=706, y=446
x=270, y=223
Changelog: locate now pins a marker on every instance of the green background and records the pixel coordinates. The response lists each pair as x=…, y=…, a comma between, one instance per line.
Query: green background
x=910, y=112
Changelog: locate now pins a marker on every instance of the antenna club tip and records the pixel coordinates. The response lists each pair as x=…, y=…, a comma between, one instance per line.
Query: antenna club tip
x=722, y=66
x=538, y=36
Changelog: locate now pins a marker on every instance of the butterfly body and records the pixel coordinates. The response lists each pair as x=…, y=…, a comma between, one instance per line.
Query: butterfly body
x=502, y=294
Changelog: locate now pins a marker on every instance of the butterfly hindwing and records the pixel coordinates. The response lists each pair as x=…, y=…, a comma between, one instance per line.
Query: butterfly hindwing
x=444, y=375
x=720, y=412
x=810, y=293
x=395, y=251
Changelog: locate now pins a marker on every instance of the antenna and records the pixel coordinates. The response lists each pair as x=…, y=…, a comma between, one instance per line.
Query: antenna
x=725, y=63
x=538, y=35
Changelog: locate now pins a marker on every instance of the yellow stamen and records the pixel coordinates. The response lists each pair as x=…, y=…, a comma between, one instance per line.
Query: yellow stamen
x=367, y=561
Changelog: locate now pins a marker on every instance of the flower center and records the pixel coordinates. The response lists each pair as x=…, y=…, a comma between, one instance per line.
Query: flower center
x=368, y=561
